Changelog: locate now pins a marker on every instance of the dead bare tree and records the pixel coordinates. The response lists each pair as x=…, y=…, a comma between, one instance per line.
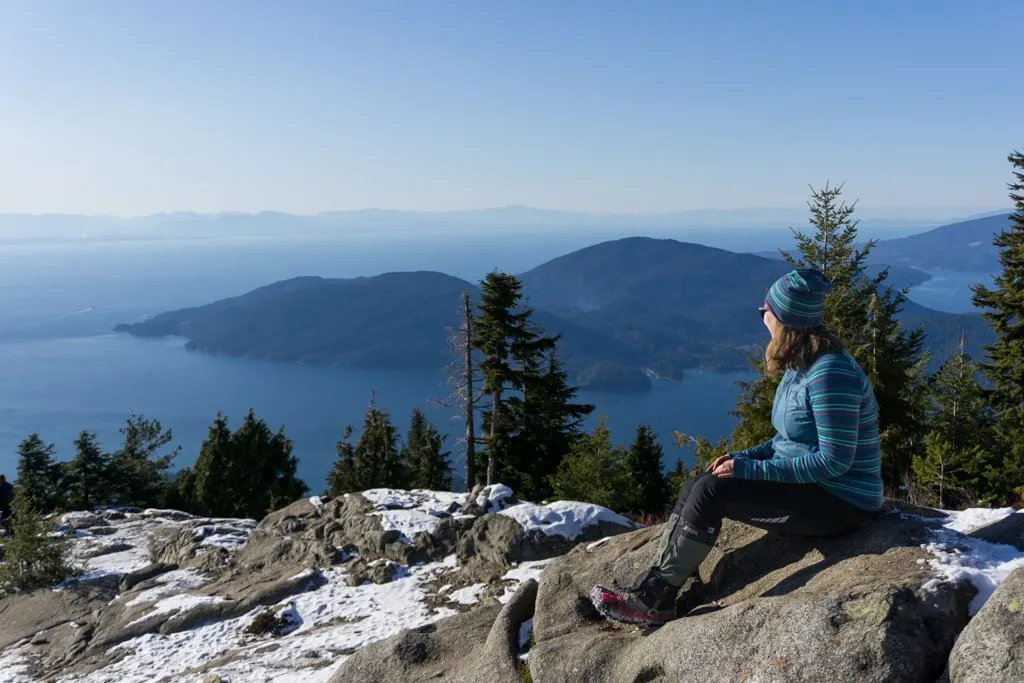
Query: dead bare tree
x=461, y=380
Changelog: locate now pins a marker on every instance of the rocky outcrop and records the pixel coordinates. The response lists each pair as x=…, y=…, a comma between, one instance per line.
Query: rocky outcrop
x=991, y=648
x=166, y=573
x=481, y=645
x=863, y=607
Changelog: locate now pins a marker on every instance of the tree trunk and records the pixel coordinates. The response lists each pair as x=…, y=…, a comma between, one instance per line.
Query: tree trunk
x=492, y=458
x=469, y=407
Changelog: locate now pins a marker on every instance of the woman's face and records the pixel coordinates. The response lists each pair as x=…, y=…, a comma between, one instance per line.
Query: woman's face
x=770, y=321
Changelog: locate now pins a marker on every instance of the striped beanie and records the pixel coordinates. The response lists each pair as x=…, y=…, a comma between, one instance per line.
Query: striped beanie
x=797, y=298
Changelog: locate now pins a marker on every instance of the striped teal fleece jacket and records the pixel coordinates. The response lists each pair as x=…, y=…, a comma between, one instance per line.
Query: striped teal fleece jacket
x=826, y=420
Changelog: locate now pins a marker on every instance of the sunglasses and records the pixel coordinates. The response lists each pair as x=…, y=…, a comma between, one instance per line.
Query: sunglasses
x=761, y=311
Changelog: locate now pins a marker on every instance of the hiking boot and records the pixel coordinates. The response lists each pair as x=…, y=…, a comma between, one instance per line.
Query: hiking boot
x=651, y=601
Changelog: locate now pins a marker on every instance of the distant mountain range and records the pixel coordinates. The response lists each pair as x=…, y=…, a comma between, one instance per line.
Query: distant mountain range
x=628, y=309
x=42, y=227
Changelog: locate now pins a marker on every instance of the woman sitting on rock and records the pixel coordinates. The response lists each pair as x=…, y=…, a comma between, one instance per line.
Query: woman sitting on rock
x=819, y=475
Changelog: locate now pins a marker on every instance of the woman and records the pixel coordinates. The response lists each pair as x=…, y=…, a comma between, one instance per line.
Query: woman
x=820, y=475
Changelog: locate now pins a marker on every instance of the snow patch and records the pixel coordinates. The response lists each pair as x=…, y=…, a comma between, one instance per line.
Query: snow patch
x=568, y=519
x=410, y=512
x=470, y=595
x=519, y=574
x=494, y=497
x=961, y=558
x=176, y=604
x=172, y=582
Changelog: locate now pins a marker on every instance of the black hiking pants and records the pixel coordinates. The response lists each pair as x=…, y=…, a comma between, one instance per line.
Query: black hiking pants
x=800, y=509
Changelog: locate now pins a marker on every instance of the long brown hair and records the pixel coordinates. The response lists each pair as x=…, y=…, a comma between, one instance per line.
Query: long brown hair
x=793, y=349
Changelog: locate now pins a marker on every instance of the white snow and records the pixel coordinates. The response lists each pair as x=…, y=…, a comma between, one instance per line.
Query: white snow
x=966, y=521
x=170, y=583
x=176, y=604
x=407, y=522
x=963, y=558
x=470, y=595
x=324, y=626
x=525, y=571
x=494, y=497
x=410, y=512
x=563, y=518
x=416, y=499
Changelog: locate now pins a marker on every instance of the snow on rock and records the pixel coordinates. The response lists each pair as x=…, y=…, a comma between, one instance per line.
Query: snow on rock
x=962, y=558
x=495, y=497
x=563, y=518
x=410, y=512
x=321, y=628
x=972, y=519
x=469, y=595
x=169, y=583
x=177, y=604
x=519, y=574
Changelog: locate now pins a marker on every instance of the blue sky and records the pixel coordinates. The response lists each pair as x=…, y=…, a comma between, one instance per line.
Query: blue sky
x=131, y=107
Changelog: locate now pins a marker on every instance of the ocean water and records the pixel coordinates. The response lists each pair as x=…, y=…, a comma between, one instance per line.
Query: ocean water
x=62, y=370
x=949, y=290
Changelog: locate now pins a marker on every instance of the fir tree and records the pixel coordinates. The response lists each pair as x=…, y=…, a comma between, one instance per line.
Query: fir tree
x=139, y=473
x=1002, y=307
x=509, y=342
x=377, y=461
x=31, y=558
x=548, y=421
x=212, y=485
x=754, y=408
x=88, y=474
x=959, y=433
x=38, y=475
x=646, y=468
x=245, y=473
x=595, y=471
x=428, y=465
x=675, y=480
x=343, y=477
x=272, y=481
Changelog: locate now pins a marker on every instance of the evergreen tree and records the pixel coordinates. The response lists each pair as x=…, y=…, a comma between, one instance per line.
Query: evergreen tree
x=596, y=472
x=646, y=468
x=38, y=475
x=428, y=466
x=246, y=473
x=754, y=409
x=959, y=433
x=1002, y=306
x=509, y=342
x=675, y=479
x=377, y=462
x=88, y=474
x=139, y=473
x=343, y=477
x=548, y=422
x=31, y=558
x=213, y=485
x=272, y=480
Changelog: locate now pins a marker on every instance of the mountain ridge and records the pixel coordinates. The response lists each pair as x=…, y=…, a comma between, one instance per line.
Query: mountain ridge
x=652, y=307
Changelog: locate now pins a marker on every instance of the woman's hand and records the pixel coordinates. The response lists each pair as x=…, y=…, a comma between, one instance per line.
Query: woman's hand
x=722, y=467
x=718, y=461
